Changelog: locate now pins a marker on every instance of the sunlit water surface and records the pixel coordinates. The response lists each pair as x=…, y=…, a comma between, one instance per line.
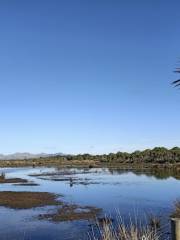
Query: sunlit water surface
x=130, y=193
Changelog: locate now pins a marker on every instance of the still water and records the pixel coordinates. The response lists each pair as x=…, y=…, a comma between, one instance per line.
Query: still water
x=128, y=192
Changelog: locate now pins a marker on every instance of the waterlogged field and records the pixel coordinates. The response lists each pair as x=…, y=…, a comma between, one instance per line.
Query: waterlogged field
x=66, y=203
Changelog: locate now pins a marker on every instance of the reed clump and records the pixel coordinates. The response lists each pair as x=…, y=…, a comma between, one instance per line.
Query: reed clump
x=176, y=212
x=2, y=176
x=108, y=230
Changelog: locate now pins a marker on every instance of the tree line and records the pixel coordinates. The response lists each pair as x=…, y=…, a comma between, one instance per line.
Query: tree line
x=155, y=155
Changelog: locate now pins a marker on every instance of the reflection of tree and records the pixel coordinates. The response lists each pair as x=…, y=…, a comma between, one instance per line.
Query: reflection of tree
x=153, y=172
x=166, y=173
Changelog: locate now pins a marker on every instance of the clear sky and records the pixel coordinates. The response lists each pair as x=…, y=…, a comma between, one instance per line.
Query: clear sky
x=88, y=76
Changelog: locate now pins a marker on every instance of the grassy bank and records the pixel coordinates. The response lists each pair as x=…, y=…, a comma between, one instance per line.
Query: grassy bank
x=149, y=228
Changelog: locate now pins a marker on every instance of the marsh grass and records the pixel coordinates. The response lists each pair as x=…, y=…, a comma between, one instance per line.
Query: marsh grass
x=133, y=230
x=176, y=212
x=72, y=212
x=3, y=179
x=27, y=200
x=2, y=176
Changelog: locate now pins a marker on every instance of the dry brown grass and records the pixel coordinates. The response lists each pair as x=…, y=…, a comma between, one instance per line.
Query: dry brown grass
x=25, y=200
x=121, y=231
x=130, y=233
x=176, y=212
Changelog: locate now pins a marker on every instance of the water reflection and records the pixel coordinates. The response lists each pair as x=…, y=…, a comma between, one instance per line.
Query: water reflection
x=130, y=191
x=157, y=173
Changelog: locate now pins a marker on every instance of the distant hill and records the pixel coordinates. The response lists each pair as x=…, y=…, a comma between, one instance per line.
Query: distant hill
x=26, y=155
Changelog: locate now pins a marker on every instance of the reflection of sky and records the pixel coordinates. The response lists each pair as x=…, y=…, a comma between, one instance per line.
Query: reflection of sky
x=124, y=191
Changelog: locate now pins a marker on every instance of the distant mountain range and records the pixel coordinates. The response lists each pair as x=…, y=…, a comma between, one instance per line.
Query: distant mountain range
x=26, y=155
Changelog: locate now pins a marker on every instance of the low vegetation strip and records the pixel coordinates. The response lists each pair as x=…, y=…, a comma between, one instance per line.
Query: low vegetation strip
x=3, y=179
x=63, y=212
x=27, y=200
x=149, y=157
x=13, y=180
x=72, y=212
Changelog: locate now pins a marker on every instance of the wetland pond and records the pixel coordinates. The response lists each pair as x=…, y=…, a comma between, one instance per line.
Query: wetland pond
x=59, y=204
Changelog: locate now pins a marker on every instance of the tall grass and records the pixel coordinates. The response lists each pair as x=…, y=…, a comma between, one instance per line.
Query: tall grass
x=107, y=230
x=176, y=212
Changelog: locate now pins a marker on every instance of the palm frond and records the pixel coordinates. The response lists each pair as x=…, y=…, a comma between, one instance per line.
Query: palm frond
x=176, y=83
x=177, y=70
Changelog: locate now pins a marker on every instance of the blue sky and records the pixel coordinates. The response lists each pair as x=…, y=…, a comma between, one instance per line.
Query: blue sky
x=88, y=76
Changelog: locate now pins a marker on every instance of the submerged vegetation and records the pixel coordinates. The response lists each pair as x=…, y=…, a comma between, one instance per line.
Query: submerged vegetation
x=72, y=212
